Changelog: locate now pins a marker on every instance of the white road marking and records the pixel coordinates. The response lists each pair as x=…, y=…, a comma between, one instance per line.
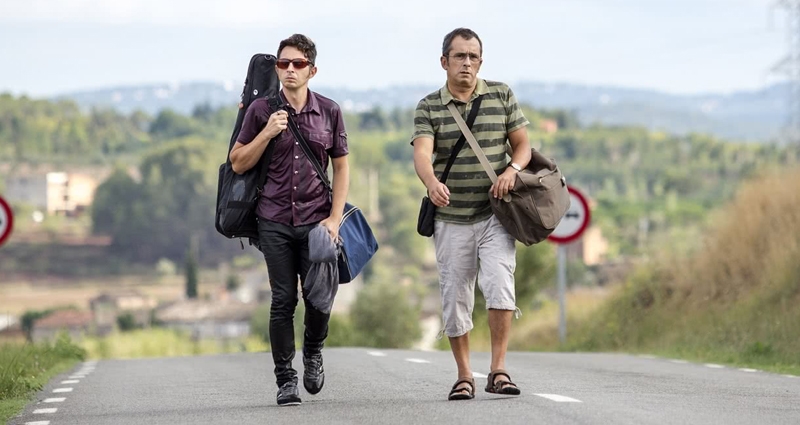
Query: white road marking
x=679, y=361
x=479, y=375
x=559, y=398
x=77, y=376
x=62, y=390
x=417, y=360
x=71, y=381
x=45, y=411
x=648, y=356
x=790, y=376
x=714, y=366
x=376, y=353
x=744, y=369
x=38, y=423
x=54, y=400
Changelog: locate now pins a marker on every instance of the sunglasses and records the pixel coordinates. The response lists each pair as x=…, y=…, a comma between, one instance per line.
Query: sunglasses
x=298, y=63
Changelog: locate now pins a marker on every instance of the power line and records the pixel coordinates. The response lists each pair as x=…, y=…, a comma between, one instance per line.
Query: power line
x=790, y=66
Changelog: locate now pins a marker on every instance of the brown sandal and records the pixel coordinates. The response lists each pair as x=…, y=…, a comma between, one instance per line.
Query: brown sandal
x=458, y=393
x=503, y=386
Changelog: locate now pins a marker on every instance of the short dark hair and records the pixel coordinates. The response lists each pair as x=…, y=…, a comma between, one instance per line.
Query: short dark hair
x=465, y=33
x=301, y=43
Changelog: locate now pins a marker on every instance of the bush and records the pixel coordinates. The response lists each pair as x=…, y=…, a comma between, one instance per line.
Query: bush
x=382, y=316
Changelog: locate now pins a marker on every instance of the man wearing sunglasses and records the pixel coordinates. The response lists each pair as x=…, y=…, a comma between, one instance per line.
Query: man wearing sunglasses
x=293, y=202
x=470, y=242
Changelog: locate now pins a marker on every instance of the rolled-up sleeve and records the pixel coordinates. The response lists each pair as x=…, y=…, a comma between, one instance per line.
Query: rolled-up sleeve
x=339, y=148
x=255, y=119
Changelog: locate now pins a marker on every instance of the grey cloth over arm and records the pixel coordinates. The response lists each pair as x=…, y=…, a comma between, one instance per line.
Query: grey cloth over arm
x=322, y=281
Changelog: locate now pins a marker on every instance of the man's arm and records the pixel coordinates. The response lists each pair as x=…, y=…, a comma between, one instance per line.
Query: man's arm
x=244, y=156
x=341, y=185
x=437, y=191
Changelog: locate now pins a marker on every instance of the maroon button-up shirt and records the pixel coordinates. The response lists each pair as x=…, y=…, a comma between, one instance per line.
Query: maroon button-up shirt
x=294, y=194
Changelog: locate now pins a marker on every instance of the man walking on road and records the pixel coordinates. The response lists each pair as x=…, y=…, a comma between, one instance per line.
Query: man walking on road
x=470, y=242
x=294, y=201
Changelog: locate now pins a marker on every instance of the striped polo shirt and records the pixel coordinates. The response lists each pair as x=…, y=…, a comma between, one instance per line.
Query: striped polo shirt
x=469, y=185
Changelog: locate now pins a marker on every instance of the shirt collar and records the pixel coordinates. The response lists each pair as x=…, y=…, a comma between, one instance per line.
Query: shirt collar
x=447, y=97
x=312, y=104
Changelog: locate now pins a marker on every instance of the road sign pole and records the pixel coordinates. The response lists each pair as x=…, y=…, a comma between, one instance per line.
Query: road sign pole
x=562, y=293
x=571, y=227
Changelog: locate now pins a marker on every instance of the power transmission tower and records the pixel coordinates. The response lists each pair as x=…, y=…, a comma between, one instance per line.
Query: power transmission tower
x=790, y=66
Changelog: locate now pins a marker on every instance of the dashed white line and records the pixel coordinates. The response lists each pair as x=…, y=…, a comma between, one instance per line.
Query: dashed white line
x=376, y=353
x=744, y=369
x=77, y=376
x=479, y=375
x=45, y=411
x=417, y=361
x=55, y=400
x=714, y=366
x=62, y=390
x=679, y=361
x=71, y=381
x=38, y=423
x=559, y=398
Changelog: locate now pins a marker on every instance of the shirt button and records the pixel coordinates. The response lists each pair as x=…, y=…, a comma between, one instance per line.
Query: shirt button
x=296, y=172
x=297, y=157
x=295, y=188
x=296, y=143
x=293, y=203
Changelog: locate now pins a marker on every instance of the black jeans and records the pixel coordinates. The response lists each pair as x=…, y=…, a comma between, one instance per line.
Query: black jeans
x=285, y=249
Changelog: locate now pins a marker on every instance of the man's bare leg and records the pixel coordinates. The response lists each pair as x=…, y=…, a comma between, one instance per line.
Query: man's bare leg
x=500, y=327
x=460, y=347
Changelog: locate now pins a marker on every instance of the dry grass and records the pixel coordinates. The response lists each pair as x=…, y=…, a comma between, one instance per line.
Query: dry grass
x=733, y=300
x=162, y=343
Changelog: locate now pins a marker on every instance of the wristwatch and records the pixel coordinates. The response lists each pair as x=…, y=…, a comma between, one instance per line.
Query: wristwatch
x=515, y=166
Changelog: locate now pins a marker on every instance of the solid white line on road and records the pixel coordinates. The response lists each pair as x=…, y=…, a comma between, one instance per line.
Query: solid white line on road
x=44, y=411
x=38, y=423
x=714, y=366
x=744, y=369
x=479, y=375
x=559, y=398
x=54, y=400
x=417, y=360
x=376, y=353
x=71, y=381
x=62, y=390
x=679, y=361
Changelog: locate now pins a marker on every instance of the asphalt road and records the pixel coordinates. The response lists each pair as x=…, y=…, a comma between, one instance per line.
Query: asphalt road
x=367, y=386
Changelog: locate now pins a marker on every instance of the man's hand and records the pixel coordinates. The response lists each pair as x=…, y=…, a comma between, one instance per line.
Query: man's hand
x=505, y=182
x=332, y=224
x=278, y=122
x=439, y=194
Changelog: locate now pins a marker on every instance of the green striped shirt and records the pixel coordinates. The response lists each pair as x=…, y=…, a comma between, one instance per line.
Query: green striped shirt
x=499, y=114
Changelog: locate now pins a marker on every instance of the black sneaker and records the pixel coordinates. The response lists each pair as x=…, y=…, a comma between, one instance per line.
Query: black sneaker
x=313, y=373
x=289, y=395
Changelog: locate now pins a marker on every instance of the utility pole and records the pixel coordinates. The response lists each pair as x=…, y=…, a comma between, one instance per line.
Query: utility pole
x=790, y=67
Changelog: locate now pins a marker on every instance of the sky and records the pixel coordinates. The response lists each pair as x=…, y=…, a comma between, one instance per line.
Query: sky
x=50, y=47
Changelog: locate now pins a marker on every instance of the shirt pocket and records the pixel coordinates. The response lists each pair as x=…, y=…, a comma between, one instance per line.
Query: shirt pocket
x=322, y=140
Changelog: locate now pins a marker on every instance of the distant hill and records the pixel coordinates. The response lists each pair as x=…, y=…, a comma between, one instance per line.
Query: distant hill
x=752, y=115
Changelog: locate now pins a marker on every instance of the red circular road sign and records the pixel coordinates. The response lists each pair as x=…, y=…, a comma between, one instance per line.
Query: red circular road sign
x=575, y=221
x=6, y=220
